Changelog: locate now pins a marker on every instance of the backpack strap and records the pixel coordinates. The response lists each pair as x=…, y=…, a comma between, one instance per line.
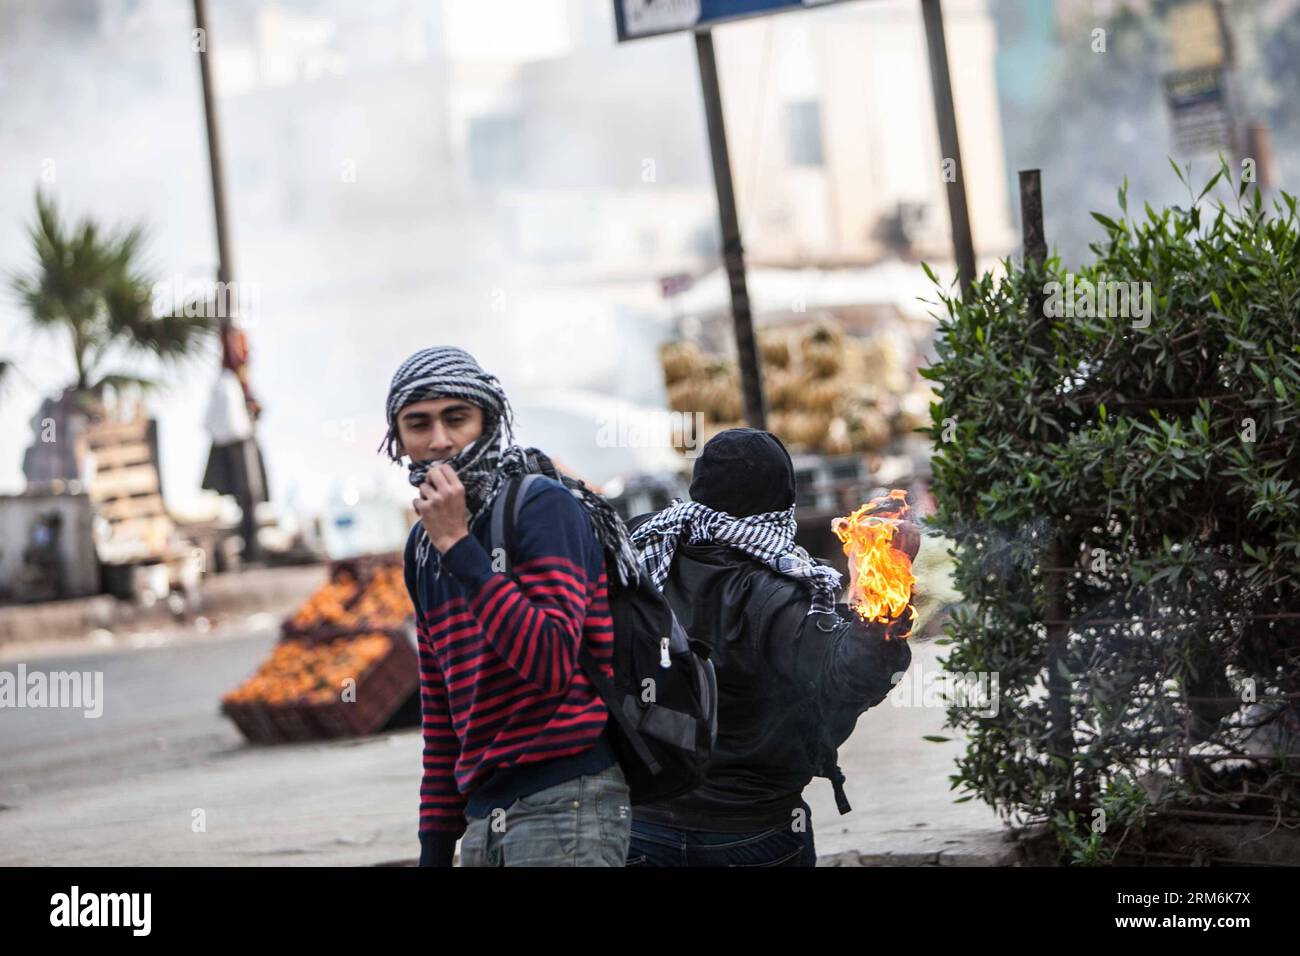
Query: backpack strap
x=610, y=696
x=833, y=772
x=505, y=518
x=505, y=515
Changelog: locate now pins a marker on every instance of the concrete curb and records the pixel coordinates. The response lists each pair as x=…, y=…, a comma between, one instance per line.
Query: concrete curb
x=992, y=847
x=274, y=590
x=1007, y=856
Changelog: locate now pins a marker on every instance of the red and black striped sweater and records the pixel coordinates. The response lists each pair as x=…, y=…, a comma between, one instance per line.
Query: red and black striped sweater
x=506, y=707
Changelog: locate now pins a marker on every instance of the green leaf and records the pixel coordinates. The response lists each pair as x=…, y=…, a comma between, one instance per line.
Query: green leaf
x=1210, y=185
x=1177, y=171
x=1109, y=223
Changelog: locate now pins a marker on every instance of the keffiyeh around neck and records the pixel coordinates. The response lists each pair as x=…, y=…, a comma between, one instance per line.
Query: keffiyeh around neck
x=767, y=537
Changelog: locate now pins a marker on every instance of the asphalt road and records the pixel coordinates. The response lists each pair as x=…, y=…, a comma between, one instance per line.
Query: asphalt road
x=159, y=712
x=161, y=777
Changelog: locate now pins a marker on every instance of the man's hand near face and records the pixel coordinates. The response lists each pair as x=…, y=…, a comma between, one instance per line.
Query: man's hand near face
x=441, y=507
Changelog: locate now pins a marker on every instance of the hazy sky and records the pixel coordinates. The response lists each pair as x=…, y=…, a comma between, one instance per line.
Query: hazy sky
x=352, y=273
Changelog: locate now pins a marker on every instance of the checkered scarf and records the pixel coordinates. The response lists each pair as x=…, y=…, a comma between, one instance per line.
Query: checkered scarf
x=484, y=465
x=767, y=537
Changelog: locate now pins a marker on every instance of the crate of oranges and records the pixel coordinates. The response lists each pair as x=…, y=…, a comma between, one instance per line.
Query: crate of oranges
x=313, y=690
x=362, y=595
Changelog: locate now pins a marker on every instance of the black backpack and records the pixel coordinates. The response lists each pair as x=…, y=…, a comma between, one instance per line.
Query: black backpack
x=665, y=717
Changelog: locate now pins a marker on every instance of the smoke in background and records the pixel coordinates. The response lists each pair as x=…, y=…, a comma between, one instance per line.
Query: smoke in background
x=1090, y=119
x=383, y=173
x=472, y=172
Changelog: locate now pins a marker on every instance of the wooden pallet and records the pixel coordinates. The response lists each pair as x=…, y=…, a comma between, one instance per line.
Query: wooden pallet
x=111, y=457
x=127, y=489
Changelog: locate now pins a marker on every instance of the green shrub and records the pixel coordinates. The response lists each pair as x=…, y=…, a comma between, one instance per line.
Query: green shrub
x=1124, y=495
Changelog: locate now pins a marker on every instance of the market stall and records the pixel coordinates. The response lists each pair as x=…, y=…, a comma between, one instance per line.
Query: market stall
x=345, y=664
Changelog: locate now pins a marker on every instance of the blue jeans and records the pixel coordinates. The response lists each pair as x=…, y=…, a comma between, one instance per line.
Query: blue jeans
x=581, y=822
x=785, y=845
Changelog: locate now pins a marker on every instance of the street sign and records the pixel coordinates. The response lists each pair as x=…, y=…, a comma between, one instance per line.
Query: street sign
x=1199, y=109
x=1197, y=89
x=638, y=19
x=1196, y=39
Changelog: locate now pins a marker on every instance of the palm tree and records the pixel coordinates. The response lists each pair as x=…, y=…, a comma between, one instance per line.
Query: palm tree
x=89, y=284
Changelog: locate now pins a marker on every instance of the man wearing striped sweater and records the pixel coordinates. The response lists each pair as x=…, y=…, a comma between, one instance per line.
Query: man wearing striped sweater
x=516, y=753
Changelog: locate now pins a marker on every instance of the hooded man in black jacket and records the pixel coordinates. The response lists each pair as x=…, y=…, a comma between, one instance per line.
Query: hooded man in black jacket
x=794, y=669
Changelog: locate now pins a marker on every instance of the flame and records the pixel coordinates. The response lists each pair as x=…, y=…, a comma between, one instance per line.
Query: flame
x=885, y=577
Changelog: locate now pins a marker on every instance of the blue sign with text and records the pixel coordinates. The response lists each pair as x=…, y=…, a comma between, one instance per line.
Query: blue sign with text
x=649, y=18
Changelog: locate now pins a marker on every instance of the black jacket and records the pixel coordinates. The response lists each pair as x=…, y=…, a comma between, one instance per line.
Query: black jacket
x=790, y=687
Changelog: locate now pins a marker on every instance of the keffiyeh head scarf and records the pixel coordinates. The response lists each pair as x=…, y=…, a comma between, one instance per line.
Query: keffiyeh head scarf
x=767, y=537
x=484, y=465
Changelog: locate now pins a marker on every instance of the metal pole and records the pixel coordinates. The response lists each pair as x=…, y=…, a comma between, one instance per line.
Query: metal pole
x=733, y=253
x=247, y=497
x=225, y=267
x=1259, y=146
x=946, y=116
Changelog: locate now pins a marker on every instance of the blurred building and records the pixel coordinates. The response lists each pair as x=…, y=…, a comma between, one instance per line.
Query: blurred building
x=532, y=112
x=833, y=135
x=1069, y=12
x=493, y=173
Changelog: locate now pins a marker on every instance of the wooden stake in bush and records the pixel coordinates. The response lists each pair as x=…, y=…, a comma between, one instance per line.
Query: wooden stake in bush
x=1058, y=686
